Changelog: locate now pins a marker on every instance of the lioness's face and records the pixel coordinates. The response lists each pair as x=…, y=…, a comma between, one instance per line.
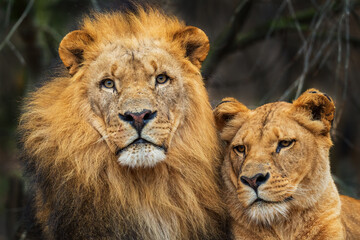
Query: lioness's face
x=269, y=156
x=275, y=162
x=139, y=92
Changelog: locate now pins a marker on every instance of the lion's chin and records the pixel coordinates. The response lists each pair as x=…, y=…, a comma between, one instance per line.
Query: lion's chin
x=267, y=213
x=141, y=155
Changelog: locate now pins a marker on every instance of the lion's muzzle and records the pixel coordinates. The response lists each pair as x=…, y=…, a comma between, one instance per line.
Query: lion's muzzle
x=143, y=150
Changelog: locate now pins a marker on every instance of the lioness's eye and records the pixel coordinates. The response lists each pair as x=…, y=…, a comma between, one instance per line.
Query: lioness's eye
x=240, y=149
x=162, y=78
x=284, y=144
x=108, y=83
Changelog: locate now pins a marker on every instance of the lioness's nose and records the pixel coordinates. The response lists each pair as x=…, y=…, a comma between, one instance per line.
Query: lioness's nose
x=138, y=119
x=255, y=181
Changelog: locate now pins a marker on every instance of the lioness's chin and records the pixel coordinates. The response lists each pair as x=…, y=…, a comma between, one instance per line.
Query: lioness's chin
x=265, y=213
x=141, y=155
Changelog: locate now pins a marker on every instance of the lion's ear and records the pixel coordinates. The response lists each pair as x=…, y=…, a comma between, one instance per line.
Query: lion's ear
x=226, y=110
x=71, y=49
x=318, y=107
x=195, y=43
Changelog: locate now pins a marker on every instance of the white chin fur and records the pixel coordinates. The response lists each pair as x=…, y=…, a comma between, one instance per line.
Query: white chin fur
x=267, y=213
x=141, y=155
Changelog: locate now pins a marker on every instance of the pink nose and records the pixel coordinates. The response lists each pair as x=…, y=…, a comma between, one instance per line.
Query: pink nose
x=255, y=181
x=138, y=119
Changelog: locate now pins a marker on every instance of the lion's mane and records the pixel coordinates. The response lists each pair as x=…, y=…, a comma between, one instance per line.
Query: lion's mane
x=81, y=191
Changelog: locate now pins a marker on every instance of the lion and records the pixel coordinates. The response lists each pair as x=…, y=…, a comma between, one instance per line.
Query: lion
x=124, y=144
x=277, y=174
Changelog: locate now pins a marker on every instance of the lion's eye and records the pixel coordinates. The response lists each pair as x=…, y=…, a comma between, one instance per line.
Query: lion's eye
x=284, y=144
x=240, y=149
x=108, y=83
x=162, y=78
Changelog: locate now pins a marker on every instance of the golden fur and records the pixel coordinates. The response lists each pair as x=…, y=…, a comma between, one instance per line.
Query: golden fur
x=91, y=180
x=277, y=174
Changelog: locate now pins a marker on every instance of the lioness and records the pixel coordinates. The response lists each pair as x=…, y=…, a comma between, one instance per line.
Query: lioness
x=124, y=145
x=277, y=174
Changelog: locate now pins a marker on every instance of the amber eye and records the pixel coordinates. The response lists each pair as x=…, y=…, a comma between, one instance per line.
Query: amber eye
x=284, y=144
x=240, y=149
x=108, y=83
x=162, y=78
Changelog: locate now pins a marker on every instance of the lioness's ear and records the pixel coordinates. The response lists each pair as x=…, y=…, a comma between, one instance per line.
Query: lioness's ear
x=318, y=107
x=195, y=43
x=226, y=110
x=71, y=49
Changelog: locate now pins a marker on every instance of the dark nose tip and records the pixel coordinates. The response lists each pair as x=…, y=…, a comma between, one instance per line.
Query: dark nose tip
x=255, y=181
x=138, y=119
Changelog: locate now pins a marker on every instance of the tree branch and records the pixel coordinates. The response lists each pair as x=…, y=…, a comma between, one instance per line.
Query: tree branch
x=242, y=40
x=17, y=24
x=227, y=36
x=227, y=43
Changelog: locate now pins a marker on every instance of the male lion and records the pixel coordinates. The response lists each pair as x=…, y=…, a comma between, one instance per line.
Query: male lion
x=125, y=146
x=277, y=174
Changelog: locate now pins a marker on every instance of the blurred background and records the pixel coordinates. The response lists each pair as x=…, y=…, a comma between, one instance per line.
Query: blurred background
x=261, y=51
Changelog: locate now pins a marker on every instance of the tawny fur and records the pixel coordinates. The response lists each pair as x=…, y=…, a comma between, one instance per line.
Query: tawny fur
x=71, y=134
x=299, y=200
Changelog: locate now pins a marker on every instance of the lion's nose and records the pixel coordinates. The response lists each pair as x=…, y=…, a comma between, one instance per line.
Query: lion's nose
x=255, y=181
x=138, y=119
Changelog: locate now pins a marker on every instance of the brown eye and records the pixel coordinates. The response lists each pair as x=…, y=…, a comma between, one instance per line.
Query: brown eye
x=108, y=83
x=240, y=149
x=162, y=78
x=284, y=144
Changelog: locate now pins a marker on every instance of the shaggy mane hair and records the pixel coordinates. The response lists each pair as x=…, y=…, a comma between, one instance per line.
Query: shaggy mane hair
x=75, y=176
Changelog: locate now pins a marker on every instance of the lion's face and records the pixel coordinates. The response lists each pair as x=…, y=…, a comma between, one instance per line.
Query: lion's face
x=139, y=86
x=276, y=159
x=140, y=95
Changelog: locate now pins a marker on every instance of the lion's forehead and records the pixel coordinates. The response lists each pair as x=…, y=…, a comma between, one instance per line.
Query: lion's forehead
x=140, y=59
x=130, y=50
x=268, y=123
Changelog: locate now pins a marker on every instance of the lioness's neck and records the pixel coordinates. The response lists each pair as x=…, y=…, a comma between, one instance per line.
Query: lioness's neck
x=302, y=221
